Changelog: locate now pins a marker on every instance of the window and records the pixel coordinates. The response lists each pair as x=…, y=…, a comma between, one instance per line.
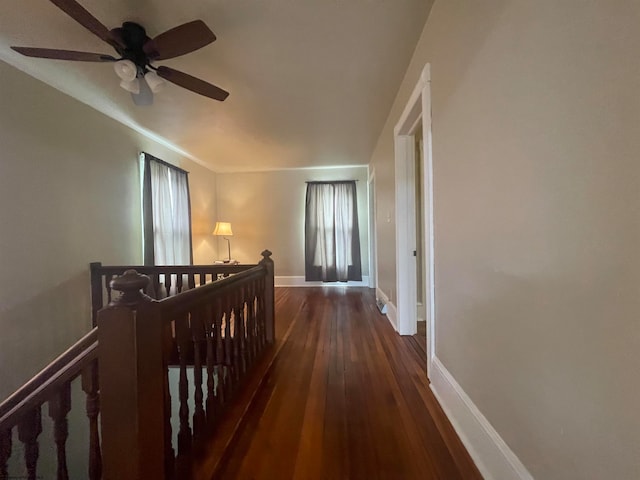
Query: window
x=166, y=214
x=332, y=238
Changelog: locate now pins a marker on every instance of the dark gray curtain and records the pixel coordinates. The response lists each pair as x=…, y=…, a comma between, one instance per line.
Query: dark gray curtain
x=332, y=237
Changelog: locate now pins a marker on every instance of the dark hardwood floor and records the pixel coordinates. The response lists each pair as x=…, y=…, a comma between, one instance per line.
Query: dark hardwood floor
x=419, y=341
x=345, y=398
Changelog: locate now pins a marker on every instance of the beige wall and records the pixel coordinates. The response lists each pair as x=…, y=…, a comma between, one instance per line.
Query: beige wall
x=202, y=189
x=70, y=195
x=536, y=134
x=266, y=210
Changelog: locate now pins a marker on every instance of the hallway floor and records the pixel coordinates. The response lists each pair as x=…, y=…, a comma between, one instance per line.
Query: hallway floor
x=346, y=398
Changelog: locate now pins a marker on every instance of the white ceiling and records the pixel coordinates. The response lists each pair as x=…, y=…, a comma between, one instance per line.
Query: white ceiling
x=311, y=81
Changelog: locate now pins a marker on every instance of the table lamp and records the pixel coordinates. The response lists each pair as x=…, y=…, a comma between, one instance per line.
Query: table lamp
x=223, y=229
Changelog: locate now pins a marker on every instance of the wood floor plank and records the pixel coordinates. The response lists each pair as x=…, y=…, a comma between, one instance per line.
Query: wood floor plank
x=346, y=398
x=335, y=463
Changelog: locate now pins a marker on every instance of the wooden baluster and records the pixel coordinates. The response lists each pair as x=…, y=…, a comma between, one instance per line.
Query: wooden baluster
x=222, y=364
x=228, y=339
x=252, y=320
x=247, y=312
x=5, y=453
x=192, y=280
x=203, y=278
x=155, y=282
x=255, y=306
x=254, y=314
x=209, y=325
x=168, y=348
x=235, y=339
x=269, y=296
x=29, y=429
x=167, y=283
x=259, y=317
x=199, y=344
x=179, y=280
x=218, y=313
x=247, y=322
x=183, y=337
x=90, y=387
x=265, y=314
x=241, y=331
x=59, y=407
x=245, y=332
x=228, y=349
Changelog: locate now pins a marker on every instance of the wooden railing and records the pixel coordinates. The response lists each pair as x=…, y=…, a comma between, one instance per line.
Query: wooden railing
x=213, y=334
x=164, y=281
x=220, y=328
x=23, y=410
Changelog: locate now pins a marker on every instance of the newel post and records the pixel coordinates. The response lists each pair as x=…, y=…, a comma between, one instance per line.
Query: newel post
x=269, y=296
x=130, y=366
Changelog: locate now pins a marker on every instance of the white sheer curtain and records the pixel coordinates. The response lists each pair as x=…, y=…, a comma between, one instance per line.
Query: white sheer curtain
x=331, y=232
x=344, y=206
x=171, y=223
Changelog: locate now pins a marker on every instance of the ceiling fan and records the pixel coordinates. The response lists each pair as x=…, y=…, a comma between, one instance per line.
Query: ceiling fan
x=137, y=52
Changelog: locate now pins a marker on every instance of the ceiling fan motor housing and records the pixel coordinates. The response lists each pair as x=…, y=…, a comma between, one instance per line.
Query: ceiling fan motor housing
x=130, y=40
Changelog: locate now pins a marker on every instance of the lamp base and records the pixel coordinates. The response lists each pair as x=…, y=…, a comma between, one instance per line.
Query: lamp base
x=226, y=262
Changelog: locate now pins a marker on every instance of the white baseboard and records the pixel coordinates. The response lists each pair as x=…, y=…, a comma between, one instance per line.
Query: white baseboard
x=301, y=282
x=392, y=313
x=381, y=295
x=492, y=456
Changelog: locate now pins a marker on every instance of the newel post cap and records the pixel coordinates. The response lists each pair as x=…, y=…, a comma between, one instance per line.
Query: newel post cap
x=266, y=254
x=129, y=284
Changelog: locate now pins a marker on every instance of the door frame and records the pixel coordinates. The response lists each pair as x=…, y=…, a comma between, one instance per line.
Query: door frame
x=373, y=244
x=418, y=109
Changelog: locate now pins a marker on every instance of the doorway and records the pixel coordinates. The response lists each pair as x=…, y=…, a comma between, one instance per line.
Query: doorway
x=414, y=216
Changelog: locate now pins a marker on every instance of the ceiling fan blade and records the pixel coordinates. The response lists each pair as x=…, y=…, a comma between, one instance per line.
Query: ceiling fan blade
x=179, y=41
x=192, y=83
x=63, y=54
x=83, y=17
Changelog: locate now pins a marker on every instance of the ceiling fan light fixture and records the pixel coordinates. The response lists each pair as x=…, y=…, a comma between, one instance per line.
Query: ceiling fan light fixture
x=136, y=52
x=126, y=70
x=154, y=81
x=132, y=86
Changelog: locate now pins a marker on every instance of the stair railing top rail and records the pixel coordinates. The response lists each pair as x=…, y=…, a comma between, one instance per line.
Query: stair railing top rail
x=39, y=389
x=202, y=295
x=161, y=279
x=218, y=268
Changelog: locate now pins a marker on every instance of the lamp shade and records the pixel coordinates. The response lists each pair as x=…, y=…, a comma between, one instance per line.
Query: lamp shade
x=154, y=81
x=223, y=228
x=126, y=70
